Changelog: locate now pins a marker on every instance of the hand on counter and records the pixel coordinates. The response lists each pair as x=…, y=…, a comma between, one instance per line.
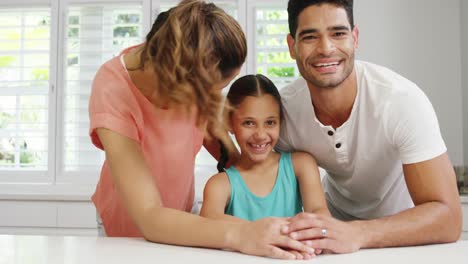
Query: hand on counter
x=324, y=233
x=264, y=238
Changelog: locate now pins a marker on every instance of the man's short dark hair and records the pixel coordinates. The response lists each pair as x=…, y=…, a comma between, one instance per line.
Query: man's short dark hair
x=295, y=7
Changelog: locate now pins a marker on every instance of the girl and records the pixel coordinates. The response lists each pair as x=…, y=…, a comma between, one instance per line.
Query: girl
x=262, y=182
x=150, y=109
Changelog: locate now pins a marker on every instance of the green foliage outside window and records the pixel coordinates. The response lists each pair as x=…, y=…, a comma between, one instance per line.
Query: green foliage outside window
x=127, y=19
x=131, y=31
x=281, y=72
x=6, y=61
x=273, y=58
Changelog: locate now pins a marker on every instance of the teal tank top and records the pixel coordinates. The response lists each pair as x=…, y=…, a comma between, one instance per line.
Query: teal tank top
x=283, y=201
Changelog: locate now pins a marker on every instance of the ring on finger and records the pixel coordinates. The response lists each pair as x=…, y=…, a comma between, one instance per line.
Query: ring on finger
x=324, y=232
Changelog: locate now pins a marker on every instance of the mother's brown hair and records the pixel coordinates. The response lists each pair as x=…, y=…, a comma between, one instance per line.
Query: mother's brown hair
x=197, y=46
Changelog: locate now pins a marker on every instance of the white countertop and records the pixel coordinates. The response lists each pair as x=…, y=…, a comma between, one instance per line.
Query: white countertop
x=99, y=250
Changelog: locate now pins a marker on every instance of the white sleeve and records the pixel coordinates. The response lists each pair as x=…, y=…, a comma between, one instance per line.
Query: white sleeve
x=291, y=103
x=413, y=126
x=284, y=142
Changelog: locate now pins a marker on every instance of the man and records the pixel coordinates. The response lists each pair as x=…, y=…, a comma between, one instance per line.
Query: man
x=389, y=180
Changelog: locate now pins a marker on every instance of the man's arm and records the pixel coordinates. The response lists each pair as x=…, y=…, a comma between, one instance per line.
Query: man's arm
x=436, y=217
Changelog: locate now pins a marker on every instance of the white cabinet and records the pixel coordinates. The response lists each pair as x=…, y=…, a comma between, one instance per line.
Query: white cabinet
x=27, y=213
x=48, y=217
x=465, y=217
x=47, y=210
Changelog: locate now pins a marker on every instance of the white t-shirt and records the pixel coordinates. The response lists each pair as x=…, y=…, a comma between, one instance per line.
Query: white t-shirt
x=392, y=123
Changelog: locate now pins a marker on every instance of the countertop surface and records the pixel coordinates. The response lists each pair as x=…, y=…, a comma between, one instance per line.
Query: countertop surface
x=103, y=250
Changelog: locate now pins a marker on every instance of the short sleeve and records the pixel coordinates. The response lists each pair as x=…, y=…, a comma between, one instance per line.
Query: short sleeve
x=415, y=128
x=283, y=144
x=112, y=104
x=292, y=108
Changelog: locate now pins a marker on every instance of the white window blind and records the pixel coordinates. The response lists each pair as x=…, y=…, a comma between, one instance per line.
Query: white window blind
x=94, y=34
x=25, y=35
x=272, y=57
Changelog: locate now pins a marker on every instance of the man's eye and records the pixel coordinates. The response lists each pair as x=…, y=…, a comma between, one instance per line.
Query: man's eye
x=308, y=38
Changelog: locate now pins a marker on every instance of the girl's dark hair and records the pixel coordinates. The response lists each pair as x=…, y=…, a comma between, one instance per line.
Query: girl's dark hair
x=248, y=85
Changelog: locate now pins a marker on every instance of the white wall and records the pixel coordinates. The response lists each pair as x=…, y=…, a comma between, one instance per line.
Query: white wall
x=420, y=39
x=464, y=44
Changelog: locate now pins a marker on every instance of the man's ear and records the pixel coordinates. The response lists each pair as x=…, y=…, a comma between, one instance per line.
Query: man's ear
x=291, y=42
x=356, y=37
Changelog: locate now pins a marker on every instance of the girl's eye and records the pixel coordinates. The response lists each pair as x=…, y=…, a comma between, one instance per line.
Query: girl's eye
x=271, y=122
x=248, y=123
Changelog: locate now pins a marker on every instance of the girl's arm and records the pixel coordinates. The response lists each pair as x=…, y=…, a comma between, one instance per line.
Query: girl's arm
x=216, y=197
x=141, y=197
x=308, y=177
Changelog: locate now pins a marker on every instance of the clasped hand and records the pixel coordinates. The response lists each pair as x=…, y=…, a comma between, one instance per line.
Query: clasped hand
x=300, y=237
x=324, y=233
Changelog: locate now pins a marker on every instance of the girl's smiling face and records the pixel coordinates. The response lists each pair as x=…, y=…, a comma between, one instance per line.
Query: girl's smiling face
x=256, y=125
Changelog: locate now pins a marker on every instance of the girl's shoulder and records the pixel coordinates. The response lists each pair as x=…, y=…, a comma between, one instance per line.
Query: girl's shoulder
x=218, y=185
x=218, y=180
x=302, y=160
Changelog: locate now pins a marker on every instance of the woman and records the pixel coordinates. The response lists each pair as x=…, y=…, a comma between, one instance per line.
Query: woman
x=150, y=109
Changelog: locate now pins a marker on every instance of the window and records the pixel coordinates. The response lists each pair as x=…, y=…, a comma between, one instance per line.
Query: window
x=94, y=33
x=267, y=30
x=49, y=53
x=272, y=58
x=25, y=38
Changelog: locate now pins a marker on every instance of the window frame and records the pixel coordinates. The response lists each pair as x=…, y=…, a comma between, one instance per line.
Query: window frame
x=47, y=176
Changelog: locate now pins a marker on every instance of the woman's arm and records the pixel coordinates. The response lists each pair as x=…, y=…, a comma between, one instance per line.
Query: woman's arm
x=141, y=197
x=216, y=197
x=310, y=185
